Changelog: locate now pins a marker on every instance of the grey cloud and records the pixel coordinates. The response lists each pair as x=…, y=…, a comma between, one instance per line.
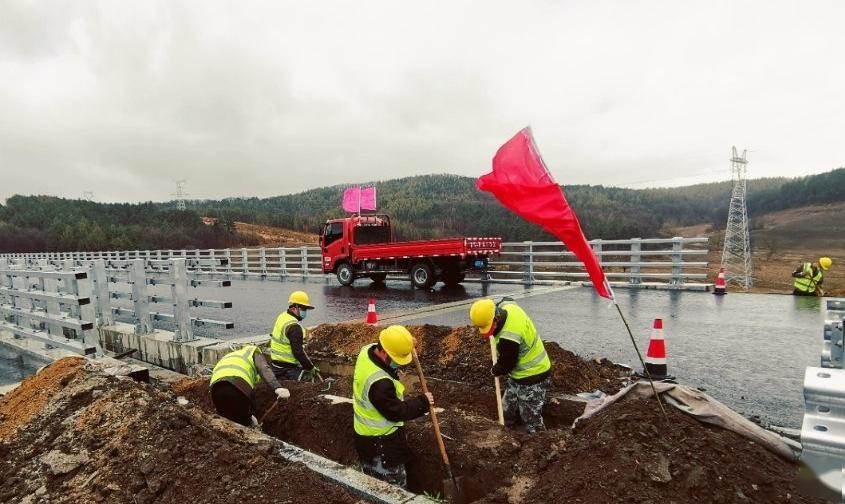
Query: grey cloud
x=268, y=98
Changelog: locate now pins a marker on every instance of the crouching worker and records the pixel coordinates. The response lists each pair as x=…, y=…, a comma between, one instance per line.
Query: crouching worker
x=380, y=408
x=522, y=358
x=233, y=382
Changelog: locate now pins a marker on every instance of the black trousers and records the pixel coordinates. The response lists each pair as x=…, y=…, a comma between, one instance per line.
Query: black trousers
x=231, y=403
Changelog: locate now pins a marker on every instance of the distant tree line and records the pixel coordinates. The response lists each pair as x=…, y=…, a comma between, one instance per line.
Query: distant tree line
x=46, y=223
x=421, y=207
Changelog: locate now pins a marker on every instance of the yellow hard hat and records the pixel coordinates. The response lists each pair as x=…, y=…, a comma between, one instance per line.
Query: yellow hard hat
x=825, y=263
x=398, y=343
x=482, y=314
x=300, y=298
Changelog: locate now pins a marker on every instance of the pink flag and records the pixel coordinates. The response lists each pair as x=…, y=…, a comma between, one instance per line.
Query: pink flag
x=522, y=183
x=368, y=198
x=351, y=199
x=356, y=199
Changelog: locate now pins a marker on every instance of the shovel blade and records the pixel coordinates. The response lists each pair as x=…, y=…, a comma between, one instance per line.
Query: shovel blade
x=453, y=491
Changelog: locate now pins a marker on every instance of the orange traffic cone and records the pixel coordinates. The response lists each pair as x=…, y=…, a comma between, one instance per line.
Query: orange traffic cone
x=655, y=359
x=372, y=318
x=719, y=289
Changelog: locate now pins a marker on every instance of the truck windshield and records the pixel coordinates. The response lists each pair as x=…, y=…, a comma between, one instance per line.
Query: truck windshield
x=372, y=234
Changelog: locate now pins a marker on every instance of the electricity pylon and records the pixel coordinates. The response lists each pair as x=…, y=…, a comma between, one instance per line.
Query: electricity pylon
x=736, y=254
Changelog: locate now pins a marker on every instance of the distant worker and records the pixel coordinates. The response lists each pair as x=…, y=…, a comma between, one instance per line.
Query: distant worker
x=380, y=408
x=287, y=352
x=233, y=382
x=809, y=278
x=522, y=358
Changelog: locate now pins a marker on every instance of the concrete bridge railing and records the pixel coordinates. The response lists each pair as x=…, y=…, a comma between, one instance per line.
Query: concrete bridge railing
x=72, y=297
x=634, y=262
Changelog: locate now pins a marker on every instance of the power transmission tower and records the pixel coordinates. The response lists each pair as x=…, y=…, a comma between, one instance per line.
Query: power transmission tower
x=736, y=254
x=88, y=195
x=180, y=194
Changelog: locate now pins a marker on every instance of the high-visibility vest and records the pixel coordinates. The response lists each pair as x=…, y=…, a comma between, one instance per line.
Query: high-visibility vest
x=518, y=328
x=280, y=349
x=366, y=418
x=808, y=282
x=238, y=364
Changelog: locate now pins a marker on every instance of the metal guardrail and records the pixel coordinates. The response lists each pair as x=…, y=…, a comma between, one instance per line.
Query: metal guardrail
x=823, y=427
x=633, y=261
x=54, y=307
x=136, y=275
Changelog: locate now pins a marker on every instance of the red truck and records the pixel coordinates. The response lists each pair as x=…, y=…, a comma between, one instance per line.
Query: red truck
x=363, y=246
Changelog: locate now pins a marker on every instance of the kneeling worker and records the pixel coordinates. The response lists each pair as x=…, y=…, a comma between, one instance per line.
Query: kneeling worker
x=289, y=360
x=380, y=408
x=233, y=382
x=522, y=357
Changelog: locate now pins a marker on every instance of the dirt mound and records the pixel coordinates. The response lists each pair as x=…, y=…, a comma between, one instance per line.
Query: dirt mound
x=23, y=403
x=625, y=454
x=629, y=454
x=102, y=439
x=460, y=354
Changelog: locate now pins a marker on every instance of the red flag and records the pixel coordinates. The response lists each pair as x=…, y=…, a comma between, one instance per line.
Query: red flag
x=522, y=183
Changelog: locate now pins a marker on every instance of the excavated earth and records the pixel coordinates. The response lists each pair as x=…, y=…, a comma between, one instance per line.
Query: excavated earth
x=626, y=454
x=74, y=435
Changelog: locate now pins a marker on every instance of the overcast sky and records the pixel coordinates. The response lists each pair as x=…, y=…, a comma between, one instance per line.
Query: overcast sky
x=260, y=99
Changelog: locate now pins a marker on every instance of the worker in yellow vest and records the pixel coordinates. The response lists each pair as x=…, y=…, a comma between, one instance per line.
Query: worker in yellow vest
x=809, y=277
x=233, y=384
x=380, y=407
x=521, y=357
x=287, y=351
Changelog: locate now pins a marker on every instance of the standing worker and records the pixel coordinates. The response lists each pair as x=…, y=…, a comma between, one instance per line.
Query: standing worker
x=233, y=382
x=809, y=278
x=380, y=409
x=289, y=360
x=522, y=358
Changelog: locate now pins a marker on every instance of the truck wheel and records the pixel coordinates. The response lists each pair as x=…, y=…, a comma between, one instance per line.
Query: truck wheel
x=453, y=278
x=345, y=274
x=378, y=278
x=422, y=276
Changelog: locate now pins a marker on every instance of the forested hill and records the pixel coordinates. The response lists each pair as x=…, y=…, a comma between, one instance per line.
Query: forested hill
x=421, y=207
x=442, y=205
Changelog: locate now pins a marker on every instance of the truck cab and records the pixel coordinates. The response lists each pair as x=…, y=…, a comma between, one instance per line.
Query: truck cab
x=338, y=237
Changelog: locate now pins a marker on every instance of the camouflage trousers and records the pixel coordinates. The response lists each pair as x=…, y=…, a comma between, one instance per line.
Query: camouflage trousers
x=377, y=468
x=525, y=403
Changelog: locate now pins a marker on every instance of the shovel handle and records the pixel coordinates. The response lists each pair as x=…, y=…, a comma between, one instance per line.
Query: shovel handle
x=499, y=408
x=433, y=413
x=270, y=410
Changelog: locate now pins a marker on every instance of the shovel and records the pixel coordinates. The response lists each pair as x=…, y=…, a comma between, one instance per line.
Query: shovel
x=498, y=387
x=451, y=487
x=269, y=410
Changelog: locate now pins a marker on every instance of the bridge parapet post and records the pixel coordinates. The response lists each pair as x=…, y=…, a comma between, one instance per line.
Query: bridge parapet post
x=179, y=290
x=528, y=262
x=304, y=251
x=138, y=279
x=677, y=260
x=636, y=247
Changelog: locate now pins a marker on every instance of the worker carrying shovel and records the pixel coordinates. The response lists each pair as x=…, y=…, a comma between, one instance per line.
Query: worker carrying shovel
x=233, y=382
x=380, y=408
x=521, y=357
x=287, y=352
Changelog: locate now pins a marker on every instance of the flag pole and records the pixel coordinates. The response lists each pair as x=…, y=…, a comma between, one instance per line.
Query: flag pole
x=639, y=355
x=359, y=201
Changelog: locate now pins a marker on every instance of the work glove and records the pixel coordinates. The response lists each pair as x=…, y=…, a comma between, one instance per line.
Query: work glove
x=313, y=372
x=430, y=398
x=282, y=393
x=253, y=421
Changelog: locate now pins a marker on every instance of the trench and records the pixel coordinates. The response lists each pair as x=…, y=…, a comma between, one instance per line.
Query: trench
x=479, y=449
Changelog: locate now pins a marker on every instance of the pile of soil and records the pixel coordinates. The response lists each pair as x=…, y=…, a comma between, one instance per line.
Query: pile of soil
x=627, y=453
x=460, y=354
x=97, y=438
x=630, y=454
x=18, y=407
